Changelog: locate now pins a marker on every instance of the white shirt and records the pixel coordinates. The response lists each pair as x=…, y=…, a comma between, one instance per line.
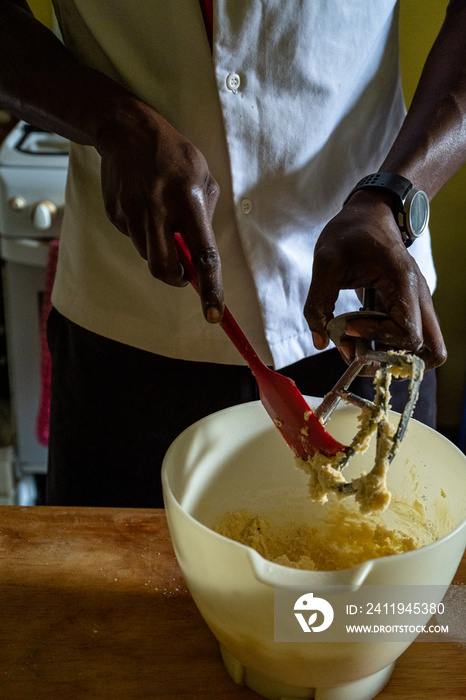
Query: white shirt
x=298, y=101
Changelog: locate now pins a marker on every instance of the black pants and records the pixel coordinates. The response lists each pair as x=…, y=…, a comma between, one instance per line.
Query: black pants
x=116, y=409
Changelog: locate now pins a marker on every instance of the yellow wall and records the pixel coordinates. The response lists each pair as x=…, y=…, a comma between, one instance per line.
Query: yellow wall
x=420, y=22
x=42, y=9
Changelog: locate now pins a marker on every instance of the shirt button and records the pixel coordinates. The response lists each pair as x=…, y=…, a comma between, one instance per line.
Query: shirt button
x=246, y=206
x=233, y=81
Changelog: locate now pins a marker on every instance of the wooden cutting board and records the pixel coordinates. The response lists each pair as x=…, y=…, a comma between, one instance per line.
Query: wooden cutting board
x=93, y=605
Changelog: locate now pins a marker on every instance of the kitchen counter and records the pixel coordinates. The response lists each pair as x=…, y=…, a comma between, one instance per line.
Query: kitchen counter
x=93, y=605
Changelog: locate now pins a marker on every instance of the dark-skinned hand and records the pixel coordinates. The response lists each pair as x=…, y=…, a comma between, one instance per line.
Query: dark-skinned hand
x=360, y=248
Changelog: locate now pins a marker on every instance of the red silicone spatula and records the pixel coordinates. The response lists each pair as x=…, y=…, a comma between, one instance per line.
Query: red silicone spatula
x=279, y=395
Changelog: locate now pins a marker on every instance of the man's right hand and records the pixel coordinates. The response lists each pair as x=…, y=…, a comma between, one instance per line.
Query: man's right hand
x=155, y=183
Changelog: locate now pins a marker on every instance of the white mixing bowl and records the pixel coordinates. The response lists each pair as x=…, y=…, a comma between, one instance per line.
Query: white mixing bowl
x=236, y=459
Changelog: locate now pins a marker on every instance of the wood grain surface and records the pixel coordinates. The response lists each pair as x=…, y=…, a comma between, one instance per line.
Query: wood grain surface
x=93, y=605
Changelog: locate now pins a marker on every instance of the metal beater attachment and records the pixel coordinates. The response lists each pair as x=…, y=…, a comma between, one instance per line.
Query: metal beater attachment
x=392, y=364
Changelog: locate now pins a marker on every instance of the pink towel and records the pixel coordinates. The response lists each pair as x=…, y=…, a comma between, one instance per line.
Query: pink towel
x=43, y=415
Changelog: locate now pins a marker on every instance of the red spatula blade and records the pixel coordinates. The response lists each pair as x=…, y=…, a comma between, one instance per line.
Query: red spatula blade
x=279, y=395
x=292, y=415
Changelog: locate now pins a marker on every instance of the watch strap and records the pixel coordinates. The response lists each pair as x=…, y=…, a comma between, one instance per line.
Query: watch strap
x=396, y=184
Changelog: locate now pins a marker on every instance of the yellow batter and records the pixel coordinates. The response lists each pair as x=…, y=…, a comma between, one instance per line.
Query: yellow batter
x=343, y=541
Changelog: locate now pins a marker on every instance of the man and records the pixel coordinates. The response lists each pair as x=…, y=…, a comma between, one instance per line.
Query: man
x=245, y=129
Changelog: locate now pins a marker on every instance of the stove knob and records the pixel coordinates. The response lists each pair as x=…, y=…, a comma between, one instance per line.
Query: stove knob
x=17, y=203
x=43, y=214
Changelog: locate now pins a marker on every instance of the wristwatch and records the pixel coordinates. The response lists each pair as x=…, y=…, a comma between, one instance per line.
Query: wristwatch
x=411, y=206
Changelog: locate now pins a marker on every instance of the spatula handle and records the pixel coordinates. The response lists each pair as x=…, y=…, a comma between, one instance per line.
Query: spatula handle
x=228, y=323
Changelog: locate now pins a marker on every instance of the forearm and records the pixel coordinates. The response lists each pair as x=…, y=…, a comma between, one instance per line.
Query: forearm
x=362, y=246
x=154, y=181
x=431, y=145
x=42, y=83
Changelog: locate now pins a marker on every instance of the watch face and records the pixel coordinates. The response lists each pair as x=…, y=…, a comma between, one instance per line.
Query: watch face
x=418, y=213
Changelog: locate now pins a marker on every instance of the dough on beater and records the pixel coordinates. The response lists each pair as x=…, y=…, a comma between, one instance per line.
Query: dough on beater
x=372, y=492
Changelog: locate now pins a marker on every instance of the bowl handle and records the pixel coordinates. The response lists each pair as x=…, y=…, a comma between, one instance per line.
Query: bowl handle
x=272, y=574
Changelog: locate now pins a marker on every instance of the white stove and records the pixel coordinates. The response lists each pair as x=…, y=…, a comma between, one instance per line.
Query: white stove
x=33, y=168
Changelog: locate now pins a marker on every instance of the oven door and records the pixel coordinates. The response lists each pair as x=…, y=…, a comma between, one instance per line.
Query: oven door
x=24, y=275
